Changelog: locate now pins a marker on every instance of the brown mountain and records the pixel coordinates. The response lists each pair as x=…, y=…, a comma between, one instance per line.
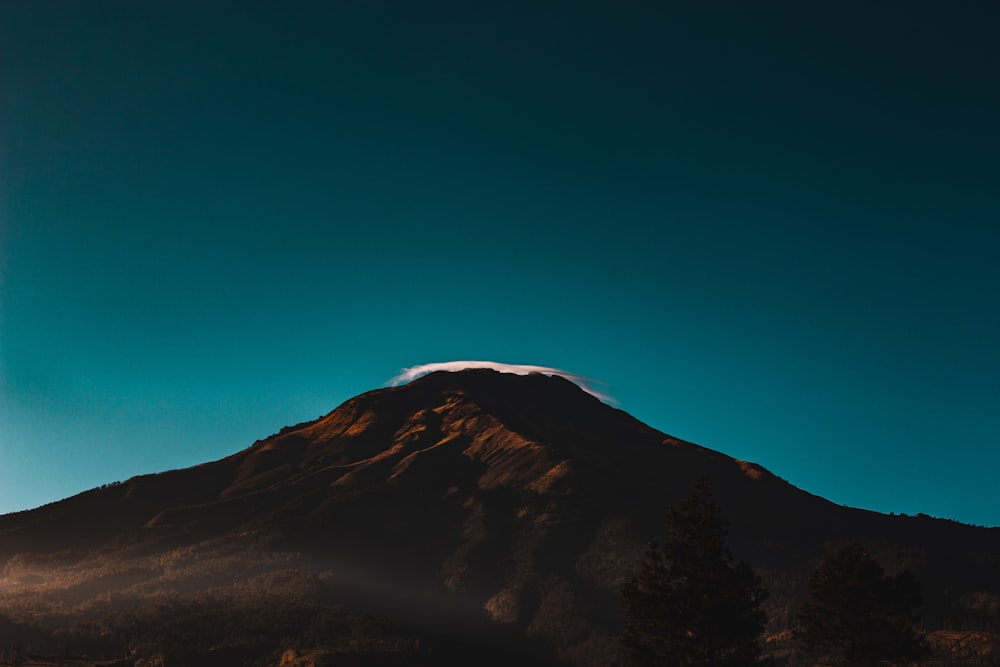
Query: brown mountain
x=493, y=512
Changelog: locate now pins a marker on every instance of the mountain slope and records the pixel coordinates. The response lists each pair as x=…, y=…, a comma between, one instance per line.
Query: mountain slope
x=472, y=503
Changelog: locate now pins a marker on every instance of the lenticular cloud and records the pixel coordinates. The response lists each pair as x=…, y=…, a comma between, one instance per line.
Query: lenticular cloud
x=413, y=373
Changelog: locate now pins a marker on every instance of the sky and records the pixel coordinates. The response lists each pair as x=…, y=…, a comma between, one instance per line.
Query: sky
x=768, y=228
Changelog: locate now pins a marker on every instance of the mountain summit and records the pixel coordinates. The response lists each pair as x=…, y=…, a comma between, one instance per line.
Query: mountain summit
x=480, y=504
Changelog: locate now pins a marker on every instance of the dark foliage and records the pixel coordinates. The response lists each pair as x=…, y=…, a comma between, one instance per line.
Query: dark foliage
x=856, y=615
x=690, y=603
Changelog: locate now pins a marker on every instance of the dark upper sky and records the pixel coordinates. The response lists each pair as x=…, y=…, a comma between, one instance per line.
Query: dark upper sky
x=769, y=229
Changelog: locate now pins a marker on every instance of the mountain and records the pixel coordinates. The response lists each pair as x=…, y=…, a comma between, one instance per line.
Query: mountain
x=467, y=513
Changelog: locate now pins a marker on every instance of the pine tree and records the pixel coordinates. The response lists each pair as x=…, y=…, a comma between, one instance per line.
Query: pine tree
x=855, y=615
x=645, y=633
x=690, y=604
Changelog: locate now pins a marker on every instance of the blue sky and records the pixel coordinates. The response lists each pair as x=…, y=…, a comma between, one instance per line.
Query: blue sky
x=769, y=230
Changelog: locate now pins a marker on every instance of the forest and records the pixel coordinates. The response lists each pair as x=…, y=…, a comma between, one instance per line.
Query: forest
x=689, y=602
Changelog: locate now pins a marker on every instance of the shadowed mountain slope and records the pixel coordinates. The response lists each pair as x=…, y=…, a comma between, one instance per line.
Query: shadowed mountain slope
x=473, y=503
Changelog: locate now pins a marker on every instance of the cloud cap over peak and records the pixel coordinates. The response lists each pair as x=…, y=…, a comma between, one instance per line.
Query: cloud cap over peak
x=412, y=373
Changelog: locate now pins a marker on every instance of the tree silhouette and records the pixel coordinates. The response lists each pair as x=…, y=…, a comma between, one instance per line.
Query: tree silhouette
x=690, y=604
x=855, y=615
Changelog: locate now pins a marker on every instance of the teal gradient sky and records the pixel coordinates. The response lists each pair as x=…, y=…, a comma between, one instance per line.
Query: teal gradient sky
x=772, y=230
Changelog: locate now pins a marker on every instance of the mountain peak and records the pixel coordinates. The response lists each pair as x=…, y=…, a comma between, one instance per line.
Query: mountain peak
x=415, y=372
x=497, y=381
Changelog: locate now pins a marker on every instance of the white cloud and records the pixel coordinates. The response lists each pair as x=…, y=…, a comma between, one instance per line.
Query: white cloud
x=414, y=372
